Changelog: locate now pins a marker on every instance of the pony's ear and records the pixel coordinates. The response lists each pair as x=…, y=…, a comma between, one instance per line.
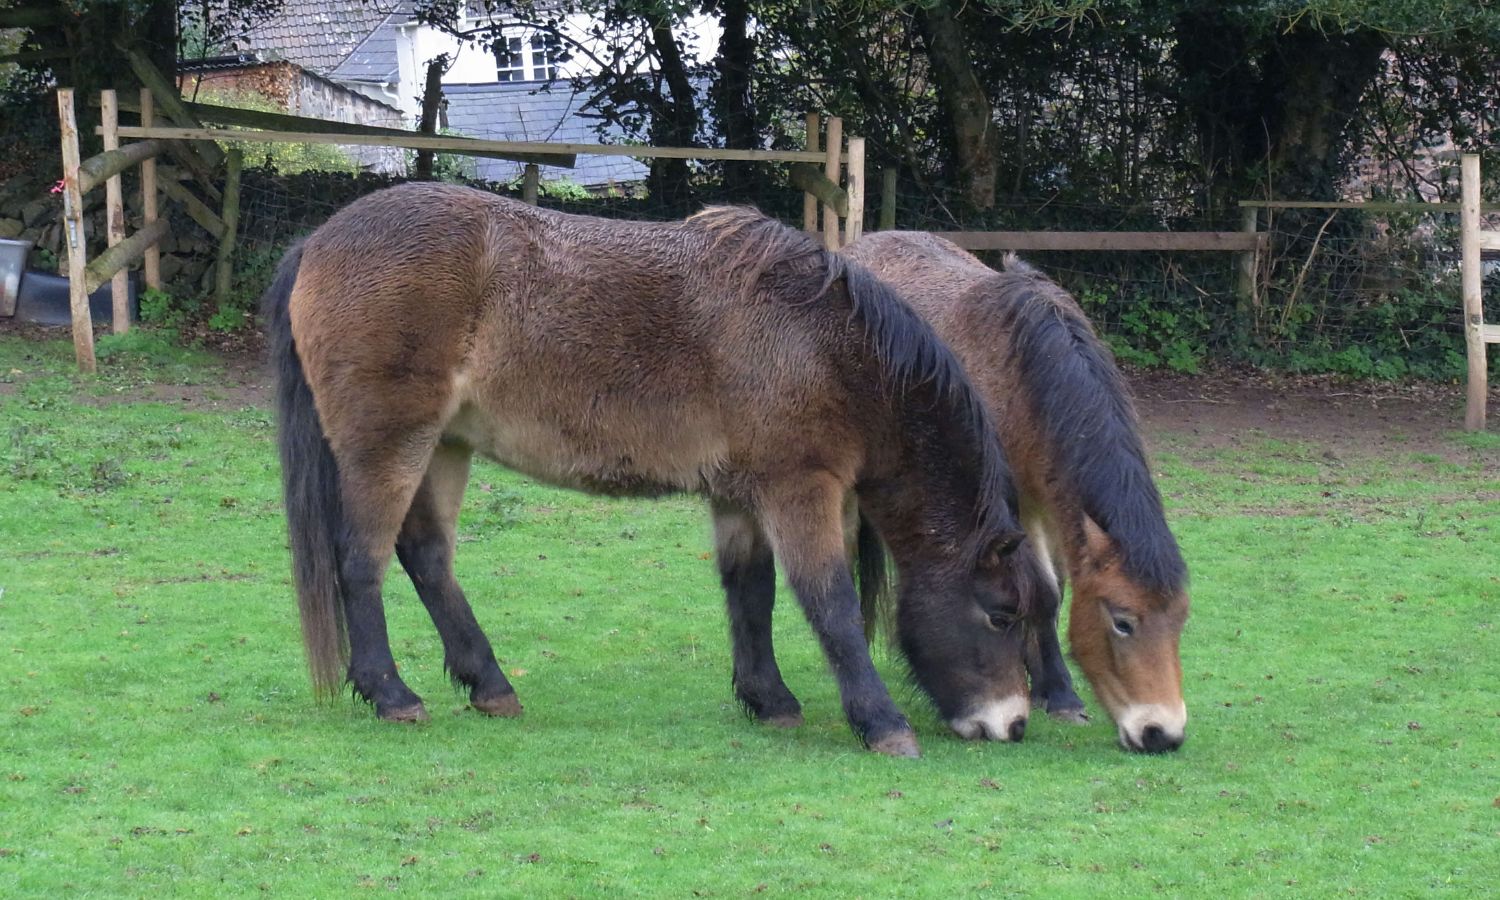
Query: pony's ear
x=1098, y=547
x=1002, y=546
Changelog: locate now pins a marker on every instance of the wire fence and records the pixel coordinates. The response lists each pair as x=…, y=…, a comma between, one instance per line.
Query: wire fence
x=1344, y=291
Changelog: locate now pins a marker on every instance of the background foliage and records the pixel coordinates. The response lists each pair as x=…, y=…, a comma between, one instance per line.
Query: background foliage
x=1044, y=114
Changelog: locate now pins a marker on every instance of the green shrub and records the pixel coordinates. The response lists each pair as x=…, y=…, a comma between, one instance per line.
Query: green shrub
x=288, y=159
x=1146, y=331
x=163, y=311
x=253, y=270
x=564, y=189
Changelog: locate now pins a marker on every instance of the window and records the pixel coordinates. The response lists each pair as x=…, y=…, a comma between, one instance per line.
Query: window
x=544, y=53
x=510, y=61
x=533, y=59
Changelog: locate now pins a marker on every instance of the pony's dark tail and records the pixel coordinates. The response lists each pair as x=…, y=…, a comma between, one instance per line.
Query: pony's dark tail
x=875, y=595
x=310, y=484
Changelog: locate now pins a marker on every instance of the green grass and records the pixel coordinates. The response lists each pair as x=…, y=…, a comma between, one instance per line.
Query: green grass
x=157, y=733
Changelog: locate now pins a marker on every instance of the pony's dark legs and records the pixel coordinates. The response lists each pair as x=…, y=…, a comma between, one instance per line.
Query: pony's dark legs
x=372, y=669
x=747, y=570
x=379, y=478
x=425, y=547
x=803, y=518
x=1051, y=682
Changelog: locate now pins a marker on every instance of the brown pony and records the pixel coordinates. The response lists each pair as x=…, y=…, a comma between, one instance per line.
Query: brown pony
x=725, y=355
x=1087, y=496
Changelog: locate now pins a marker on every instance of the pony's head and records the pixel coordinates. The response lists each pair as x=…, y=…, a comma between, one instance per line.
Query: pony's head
x=961, y=622
x=1124, y=634
x=962, y=628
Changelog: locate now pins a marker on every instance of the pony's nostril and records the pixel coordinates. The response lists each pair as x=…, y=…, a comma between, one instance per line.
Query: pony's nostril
x=1017, y=730
x=1154, y=739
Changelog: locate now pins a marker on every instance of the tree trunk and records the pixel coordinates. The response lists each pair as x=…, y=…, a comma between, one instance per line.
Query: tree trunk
x=734, y=100
x=1218, y=89
x=970, y=116
x=676, y=122
x=1314, y=84
x=1291, y=112
x=432, y=98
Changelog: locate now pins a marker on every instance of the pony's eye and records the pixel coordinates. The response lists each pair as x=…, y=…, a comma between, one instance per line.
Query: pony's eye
x=1123, y=626
x=1001, y=620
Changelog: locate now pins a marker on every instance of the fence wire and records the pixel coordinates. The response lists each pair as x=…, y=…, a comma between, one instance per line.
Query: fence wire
x=1336, y=290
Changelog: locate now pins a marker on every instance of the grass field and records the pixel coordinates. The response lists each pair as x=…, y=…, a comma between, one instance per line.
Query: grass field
x=157, y=734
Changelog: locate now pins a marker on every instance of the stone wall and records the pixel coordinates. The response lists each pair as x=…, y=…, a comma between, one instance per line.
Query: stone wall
x=188, y=252
x=275, y=209
x=291, y=89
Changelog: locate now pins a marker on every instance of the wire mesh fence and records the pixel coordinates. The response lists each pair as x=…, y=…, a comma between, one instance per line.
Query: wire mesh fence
x=1349, y=291
x=1346, y=291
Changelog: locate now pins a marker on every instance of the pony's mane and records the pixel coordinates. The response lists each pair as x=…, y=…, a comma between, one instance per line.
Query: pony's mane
x=909, y=352
x=1077, y=394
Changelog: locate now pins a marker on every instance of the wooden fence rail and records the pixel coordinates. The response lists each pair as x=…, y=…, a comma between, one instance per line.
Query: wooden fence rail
x=839, y=188
x=1105, y=240
x=469, y=146
x=1372, y=206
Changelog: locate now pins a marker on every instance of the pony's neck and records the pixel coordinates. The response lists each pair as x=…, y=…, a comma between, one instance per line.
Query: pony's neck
x=922, y=500
x=1079, y=446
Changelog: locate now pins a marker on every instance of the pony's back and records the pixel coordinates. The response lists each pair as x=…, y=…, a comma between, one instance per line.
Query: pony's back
x=1065, y=410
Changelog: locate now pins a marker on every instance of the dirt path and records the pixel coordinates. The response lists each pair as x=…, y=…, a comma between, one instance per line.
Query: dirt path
x=1228, y=407
x=1219, y=409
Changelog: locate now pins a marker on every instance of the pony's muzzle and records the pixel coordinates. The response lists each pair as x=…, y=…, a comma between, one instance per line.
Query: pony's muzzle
x=1153, y=728
x=997, y=720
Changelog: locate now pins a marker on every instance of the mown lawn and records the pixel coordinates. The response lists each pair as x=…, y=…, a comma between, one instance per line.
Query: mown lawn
x=157, y=733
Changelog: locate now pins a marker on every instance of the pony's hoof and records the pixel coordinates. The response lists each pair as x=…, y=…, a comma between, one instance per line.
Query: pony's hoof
x=414, y=713
x=505, y=706
x=784, y=720
x=898, y=743
x=1072, y=716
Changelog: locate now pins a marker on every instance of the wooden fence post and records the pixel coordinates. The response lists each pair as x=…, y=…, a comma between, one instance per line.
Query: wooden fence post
x=73, y=237
x=1247, y=263
x=1473, y=303
x=833, y=157
x=148, y=194
x=854, y=224
x=888, y=198
x=231, y=217
x=531, y=183
x=114, y=213
x=809, y=202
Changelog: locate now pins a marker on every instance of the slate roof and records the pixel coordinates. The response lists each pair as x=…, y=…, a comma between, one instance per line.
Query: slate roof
x=318, y=35
x=532, y=111
x=374, y=58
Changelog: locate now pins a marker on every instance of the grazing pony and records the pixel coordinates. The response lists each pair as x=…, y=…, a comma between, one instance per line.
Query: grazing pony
x=725, y=355
x=1087, y=495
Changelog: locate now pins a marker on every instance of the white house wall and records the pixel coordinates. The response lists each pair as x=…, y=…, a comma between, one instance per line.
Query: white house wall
x=474, y=64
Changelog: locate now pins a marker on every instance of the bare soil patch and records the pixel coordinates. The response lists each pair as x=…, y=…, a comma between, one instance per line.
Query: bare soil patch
x=1229, y=407
x=1225, y=408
